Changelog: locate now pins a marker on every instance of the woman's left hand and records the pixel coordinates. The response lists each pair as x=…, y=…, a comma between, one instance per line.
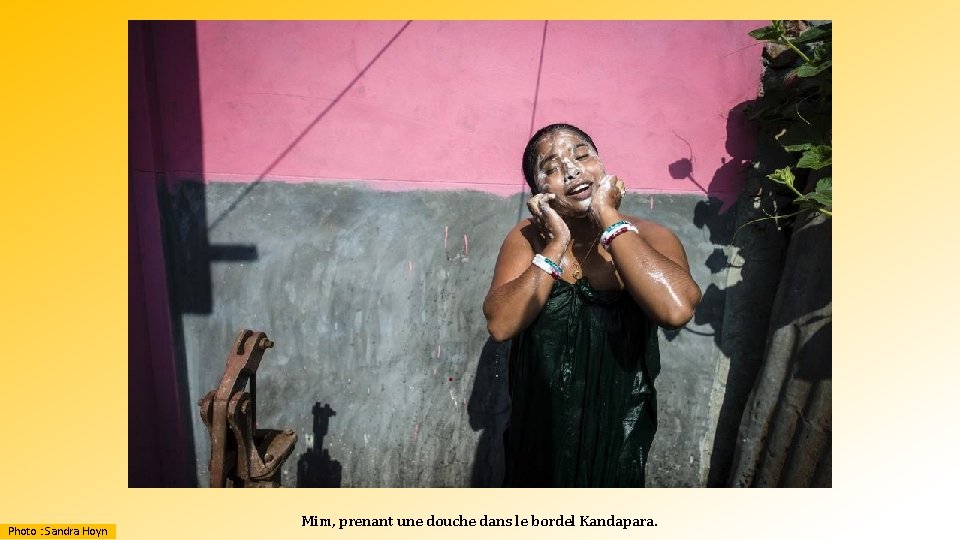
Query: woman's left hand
x=608, y=196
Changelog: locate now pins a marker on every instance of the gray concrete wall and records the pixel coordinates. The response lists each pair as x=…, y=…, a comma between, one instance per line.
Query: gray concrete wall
x=382, y=356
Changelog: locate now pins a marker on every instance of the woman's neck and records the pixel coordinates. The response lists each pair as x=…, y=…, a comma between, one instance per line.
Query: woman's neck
x=582, y=228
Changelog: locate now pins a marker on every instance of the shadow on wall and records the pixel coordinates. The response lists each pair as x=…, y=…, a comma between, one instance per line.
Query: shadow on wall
x=718, y=214
x=163, y=56
x=316, y=468
x=715, y=217
x=173, y=69
x=191, y=252
x=489, y=412
x=183, y=204
x=739, y=313
x=739, y=145
x=172, y=102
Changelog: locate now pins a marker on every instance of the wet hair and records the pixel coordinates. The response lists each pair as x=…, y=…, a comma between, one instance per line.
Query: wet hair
x=530, y=152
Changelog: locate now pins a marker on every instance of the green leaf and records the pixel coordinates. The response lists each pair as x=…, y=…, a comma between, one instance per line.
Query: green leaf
x=809, y=70
x=767, y=113
x=817, y=157
x=783, y=176
x=771, y=32
x=815, y=33
x=821, y=197
x=800, y=136
x=821, y=52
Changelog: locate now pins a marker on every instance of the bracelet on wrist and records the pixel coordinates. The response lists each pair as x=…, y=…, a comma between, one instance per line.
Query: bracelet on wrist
x=547, y=266
x=614, y=231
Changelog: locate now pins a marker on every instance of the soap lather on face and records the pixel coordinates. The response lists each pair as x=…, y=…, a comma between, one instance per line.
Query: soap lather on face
x=569, y=167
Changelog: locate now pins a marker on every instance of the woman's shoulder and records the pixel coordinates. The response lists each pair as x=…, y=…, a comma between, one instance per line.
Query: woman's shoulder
x=648, y=228
x=524, y=233
x=661, y=239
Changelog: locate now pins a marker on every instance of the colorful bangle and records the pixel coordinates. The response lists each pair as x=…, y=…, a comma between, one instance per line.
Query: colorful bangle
x=547, y=266
x=612, y=228
x=614, y=231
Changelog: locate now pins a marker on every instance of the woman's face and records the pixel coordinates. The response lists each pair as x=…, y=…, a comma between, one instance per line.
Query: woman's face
x=568, y=167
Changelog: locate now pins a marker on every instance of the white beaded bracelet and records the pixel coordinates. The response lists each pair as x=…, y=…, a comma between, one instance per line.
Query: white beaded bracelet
x=547, y=266
x=614, y=231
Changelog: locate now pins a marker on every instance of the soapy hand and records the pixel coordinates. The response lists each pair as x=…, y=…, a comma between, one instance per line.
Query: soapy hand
x=551, y=225
x=608, y=196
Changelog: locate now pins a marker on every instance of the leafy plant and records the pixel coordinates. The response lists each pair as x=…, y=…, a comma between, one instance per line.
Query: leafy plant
x=795, y=109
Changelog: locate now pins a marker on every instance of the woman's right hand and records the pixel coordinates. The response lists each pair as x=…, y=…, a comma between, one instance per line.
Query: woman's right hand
x=551, y=226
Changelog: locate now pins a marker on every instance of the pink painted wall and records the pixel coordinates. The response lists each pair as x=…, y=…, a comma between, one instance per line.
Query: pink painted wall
x=449, y=105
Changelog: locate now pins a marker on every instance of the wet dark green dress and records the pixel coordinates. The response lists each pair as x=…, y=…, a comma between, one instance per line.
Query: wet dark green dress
x=583, y=411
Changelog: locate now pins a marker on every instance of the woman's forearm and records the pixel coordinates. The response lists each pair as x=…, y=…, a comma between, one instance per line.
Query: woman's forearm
x=662, y=287
x=511, y=307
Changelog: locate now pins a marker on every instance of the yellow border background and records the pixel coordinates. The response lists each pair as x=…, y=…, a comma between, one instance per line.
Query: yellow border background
x=63, y=385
